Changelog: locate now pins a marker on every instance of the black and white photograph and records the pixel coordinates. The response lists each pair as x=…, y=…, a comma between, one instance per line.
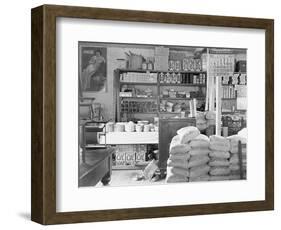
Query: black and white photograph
x=169, y=114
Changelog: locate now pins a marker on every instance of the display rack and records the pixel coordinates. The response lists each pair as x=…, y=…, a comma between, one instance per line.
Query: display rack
x=232, y=97
x=156, y=99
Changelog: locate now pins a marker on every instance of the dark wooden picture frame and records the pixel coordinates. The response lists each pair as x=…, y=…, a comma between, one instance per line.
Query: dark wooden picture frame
x=43, y=189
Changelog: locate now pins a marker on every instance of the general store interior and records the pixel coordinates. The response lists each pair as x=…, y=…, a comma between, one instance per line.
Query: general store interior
x=154, y=96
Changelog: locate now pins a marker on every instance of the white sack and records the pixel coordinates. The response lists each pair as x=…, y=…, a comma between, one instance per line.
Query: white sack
x=198, y=160
x=198, y=171
x=219, y=154
x=186, y=134
x=219, y=171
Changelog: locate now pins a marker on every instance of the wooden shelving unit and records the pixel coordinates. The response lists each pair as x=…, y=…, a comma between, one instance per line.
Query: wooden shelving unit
x=157, y=87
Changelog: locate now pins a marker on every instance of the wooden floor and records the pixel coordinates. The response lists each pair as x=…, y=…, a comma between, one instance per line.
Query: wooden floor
x=127, y=178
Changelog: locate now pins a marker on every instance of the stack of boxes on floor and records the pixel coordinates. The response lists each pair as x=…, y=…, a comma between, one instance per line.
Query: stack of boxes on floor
x=195, y=157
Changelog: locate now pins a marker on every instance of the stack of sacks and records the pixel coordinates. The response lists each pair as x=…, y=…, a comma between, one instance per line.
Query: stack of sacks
x=177, y=170
x=198, y=162
x=234, y=158
x=219, y=158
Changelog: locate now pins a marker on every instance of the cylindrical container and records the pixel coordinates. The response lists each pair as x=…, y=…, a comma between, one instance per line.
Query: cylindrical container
x=109, y=127
x=177, y=65
x=119, y=127
x=150, y=66
x=144, y=65
x=171, y=65
x=146, y=128
x=182, y=114
x=139, y=128
x=225, y=131
x=130, y=127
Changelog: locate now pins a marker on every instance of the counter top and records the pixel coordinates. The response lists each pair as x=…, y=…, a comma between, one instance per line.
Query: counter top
x=121, y=138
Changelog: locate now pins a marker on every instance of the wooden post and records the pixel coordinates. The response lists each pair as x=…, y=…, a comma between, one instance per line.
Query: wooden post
x=218, y=105
x=208, y=76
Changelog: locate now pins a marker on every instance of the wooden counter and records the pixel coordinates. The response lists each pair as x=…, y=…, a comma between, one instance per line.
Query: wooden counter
x=127, y=138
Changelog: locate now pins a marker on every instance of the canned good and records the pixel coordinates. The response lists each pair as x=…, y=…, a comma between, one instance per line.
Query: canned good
x=178, y=65
x=171, y=65
x=144, y=65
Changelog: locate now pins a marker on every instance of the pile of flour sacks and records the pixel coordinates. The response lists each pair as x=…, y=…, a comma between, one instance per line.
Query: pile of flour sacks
x=197, y=157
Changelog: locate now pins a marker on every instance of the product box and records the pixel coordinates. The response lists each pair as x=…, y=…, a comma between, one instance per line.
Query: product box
x=161, y=51
x=140, y=157
x=120, y=158
x=161, y=63
x=130, y=158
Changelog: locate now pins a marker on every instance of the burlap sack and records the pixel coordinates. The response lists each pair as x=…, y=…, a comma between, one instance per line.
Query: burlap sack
x=177, y=164
x=198, y=160
x=179, y=149
x=219, y=154
x=234, y=159
x=219, y=178
x=234, y=167
x=199, y=170
x=219, y=171
x=186, y=134
x=177, y=171
x=201, y=141
x=218, y=162
x=175, y=178
x=205, y=177
x=180, y=156
x=197, y=152
x=220, y=146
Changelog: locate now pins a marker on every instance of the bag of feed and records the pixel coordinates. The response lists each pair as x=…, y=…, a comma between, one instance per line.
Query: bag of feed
x=198, y=171
x=197, y=152
x=177, y=163
x=234, y=177
x=235, y=138
x=187, y=133
x=234, y=167
x=180, y=156
x=177, y=171
x=218, y=162
x=219, y=178
x=217, y=138
x=205, y=177
x=234, y=159
x=179, y=149
x=219, y=171
x=198, y=160
x=201, y=141
x=175, y=178
x=219, y=146
x=219, y=154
